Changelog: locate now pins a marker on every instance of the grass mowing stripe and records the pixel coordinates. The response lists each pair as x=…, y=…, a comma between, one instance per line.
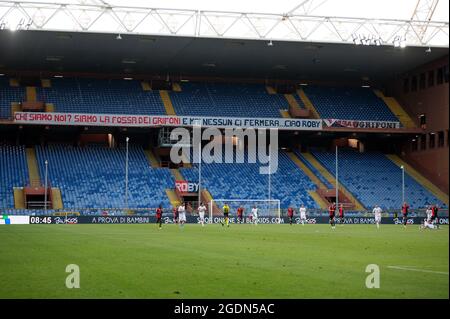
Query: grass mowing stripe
x=421, y=270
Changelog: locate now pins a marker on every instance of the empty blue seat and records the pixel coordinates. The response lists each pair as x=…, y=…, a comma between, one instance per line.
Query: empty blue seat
x=94, y=177
x=349, y=103
x=13, y=173
x=375, y=180
x=243, y=181
x=227, y=100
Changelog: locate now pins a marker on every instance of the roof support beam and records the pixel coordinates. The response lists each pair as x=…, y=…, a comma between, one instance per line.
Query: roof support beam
x=100, y=17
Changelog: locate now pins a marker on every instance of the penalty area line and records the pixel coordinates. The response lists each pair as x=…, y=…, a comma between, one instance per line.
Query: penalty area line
x=420, y=270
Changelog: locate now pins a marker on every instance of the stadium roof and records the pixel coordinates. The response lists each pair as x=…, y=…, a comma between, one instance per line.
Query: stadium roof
x=370, y=22
x=190, y=56
x=360, y=40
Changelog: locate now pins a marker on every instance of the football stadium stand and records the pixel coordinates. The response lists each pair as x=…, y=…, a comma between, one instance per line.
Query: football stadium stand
x=348, y=103
x=375, y=180
x=101, y=96
x=8, y=95
x=13, y=173
x=314, y=170
x=93, y=176
x=197, y=99
x=243, y=181
x=232, y=100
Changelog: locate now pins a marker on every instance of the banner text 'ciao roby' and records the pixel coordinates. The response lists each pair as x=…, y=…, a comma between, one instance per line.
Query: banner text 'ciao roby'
x=42, y=118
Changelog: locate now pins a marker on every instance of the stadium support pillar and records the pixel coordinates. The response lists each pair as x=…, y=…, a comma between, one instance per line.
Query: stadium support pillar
x=419, y=178
x=308, y=104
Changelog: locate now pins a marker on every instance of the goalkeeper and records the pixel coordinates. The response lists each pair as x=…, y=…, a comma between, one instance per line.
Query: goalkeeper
x=226, y=212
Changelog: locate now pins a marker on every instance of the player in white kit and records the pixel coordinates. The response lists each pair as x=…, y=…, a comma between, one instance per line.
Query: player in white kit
x=302, y=212
x=182, y=214
x=201, y=213
x=255, y=214
x=377, y=212
x=429, y=213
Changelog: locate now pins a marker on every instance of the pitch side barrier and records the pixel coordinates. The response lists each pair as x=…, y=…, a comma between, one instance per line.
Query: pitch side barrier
x=148, y=217
x=148, y=212
x=196, y=220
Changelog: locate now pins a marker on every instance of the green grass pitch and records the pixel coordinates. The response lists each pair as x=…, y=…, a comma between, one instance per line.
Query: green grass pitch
x=243, y=261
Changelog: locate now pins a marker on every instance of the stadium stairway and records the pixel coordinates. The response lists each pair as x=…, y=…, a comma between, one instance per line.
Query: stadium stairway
x=397, y=109
x=152, y=158
x=19, y=198
x=49, y=107
x=317, y=198
x=173, y=197
x=13, y=82
x=285, y=114
x=177, y=174
x=146, y=86
x=176, y=87
x=46, y=83
x=292, y=102
x=15, y=107
x=419, y=178
x=31, y=94
x=33, y=168
x=308, y=104
x=270, y=90
x=57, y=202
x=167, y=102
x=331, y=179
x=154, y=163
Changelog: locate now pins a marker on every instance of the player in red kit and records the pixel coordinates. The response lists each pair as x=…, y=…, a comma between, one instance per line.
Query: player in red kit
x=175, y=215
x=434, y=214
x=341, y=214
x=405, y=209
x=159, y=212
x=240, y=214
x=290, y=213
x=332, y=213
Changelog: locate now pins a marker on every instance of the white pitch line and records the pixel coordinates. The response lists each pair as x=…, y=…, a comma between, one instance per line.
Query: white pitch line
x=420, y=270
